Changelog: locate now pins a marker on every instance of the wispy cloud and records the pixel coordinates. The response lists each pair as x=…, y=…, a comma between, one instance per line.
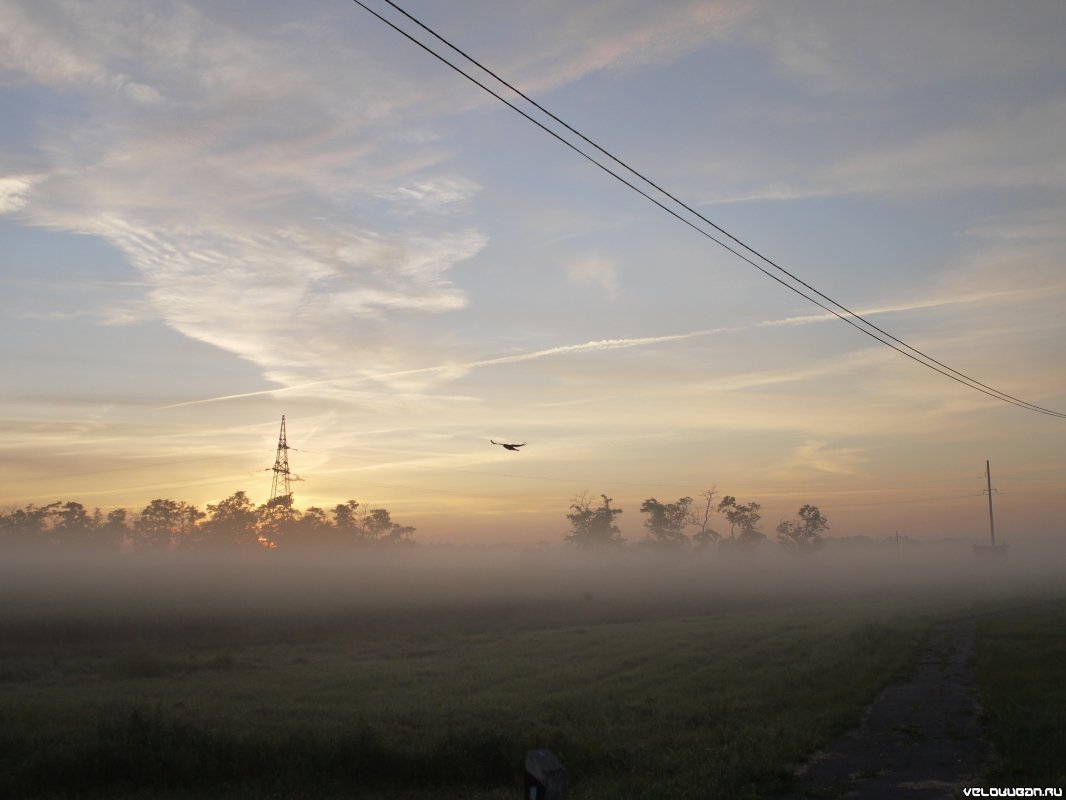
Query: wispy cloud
x=270, y=212
x=29, y=45
x=1014, y=149
x=848, y=47
x=594, y=271
x=821, y=457
x=1009, y=150
x=14, y=191
x=621, y=36
x=453, y=370
x=457, y=369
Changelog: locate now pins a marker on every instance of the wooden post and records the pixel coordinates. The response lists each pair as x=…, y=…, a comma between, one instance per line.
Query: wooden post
x=545, y=776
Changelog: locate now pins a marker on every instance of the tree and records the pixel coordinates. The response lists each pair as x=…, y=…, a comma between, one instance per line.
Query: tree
x=189, y=517
x=380, y=528
x=232, y=521
x=277, y=518
x=74, y=527
x=357, y=523
x=348, y=520
x=593, y=526
x=666, y=521
x=113, y=531
x=163, y=524
x=744, y=517
x=701, y=518
x=313, y=528
x=25, y=527
x=806, y=532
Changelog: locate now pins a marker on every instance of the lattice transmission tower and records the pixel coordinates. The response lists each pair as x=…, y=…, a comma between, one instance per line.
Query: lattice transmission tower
x=281, y=487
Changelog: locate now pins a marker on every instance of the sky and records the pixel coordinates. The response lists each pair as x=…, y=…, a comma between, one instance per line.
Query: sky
x=213, y=214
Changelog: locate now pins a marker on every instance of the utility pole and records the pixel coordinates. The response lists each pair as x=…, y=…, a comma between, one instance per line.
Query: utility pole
x=990, y=550
x=991, y=521
x=280, y=487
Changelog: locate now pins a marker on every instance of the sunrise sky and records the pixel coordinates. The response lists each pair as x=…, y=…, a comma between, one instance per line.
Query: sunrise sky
x=289, y=206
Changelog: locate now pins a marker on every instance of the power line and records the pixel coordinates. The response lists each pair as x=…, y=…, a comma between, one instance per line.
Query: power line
x=700, y=216
x=848, y=316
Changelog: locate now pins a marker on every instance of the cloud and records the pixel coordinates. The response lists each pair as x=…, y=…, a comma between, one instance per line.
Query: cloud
x=616, y=36
x=912, y=100
x=820, y=457
x=1014, y=149
x=268, y=201
x=57, y=44
x=594, y=271
x=440, y=194
x=14, y=190
x=455, y=369
x=845, y=47
x=299, y=219
x=1007, y=150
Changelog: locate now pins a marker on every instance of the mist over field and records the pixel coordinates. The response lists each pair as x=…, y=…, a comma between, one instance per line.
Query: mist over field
x=329, y=581
x=251, y=233
x=430, y=671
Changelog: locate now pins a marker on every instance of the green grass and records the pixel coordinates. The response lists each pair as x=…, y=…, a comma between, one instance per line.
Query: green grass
x=209, y=687
x=1021, y=659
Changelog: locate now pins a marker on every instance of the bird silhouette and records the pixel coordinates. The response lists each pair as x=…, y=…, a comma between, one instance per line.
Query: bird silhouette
x=508, y=446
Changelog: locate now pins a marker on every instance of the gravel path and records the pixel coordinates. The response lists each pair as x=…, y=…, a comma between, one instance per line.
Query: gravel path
x=920, y=738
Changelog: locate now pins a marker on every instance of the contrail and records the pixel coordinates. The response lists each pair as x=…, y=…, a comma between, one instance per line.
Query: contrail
x=917, y=305
x=599, y=344
x=586, y=347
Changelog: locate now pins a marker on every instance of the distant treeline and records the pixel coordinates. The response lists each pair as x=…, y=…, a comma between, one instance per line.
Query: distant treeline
x=236, y=522
x=165, y=525
x=667, y=523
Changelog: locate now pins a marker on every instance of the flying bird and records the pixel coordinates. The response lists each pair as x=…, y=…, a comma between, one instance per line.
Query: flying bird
x=508, y=446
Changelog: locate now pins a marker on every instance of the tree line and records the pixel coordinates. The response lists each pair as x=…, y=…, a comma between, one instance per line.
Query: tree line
x=236, y=522
x=666, y=524
x=165, y=525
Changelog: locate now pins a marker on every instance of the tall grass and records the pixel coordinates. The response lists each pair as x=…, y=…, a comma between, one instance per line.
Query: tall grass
x=1021, y=657
x=206, y=685
x=676, y=705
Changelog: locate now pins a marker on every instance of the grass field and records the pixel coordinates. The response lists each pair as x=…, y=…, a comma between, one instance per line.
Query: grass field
x=1022, y=671
x=330, y=680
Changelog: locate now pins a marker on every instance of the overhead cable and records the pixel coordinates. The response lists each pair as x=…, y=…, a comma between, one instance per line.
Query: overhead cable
x=850, y=317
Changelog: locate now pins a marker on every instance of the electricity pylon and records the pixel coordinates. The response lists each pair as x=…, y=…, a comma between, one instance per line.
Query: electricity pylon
x=280, y=486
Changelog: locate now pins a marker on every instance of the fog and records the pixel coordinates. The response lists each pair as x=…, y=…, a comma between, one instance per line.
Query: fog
x=590, y=585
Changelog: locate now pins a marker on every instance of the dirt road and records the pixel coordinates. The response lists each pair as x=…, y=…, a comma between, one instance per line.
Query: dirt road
x=919, y=739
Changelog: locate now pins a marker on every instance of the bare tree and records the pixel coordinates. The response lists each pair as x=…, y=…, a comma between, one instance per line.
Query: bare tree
x=700, y=517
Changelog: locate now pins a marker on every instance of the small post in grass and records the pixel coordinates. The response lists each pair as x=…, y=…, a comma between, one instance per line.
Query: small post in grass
x=545, y=776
